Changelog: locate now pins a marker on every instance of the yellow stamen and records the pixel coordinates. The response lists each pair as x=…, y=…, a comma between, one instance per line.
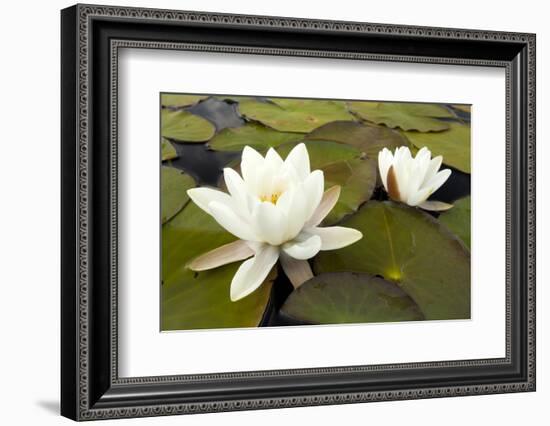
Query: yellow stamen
x=272, y=198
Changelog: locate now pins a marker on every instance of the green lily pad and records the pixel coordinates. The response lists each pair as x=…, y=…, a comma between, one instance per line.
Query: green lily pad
x=411, y=248
x=178, y=101
x=347, y=297
x=463, y=108
x=184, y=126
x=168, y=152
x=368, y=139
x=457, y=219
x=342, y=165
x=200, y=300
x=452, y=144
x=294, y=115
x=254, y=135
x=174, y=185
x=407, y=116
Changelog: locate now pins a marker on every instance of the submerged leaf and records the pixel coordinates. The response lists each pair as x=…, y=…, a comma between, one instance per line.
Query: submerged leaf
x=407, y=246
x=347, y=297
x=407, y=116
x=184, y=126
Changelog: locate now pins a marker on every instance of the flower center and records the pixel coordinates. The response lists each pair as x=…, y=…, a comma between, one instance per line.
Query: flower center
x=272, y=198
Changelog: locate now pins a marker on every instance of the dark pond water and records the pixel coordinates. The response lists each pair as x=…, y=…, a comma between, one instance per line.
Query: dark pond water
x=206, y=167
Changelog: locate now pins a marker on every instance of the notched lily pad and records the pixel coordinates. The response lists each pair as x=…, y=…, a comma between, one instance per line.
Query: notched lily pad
x=200, y=300
x=409, y=247
x=174, y=185
x=458, y=219
x=254, y=135
x=347, y=297
x=171, y=100
x=168, y=152
x=186, y=127
x=453, y=144
x=366, y=138
x=406, y=116
x=294, y=115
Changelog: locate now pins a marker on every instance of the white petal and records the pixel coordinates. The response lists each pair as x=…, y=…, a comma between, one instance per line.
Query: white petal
x=251, y=161
x=385, y=160
x=228, y=253
x=436, y=206
x=273, y=160
x=314, y=186
x=304, y=248
x=231, y=222
x=419, y=197
x=297, y=271
x=439, y=179
x=253, y=272
x=292, y=206
x=237, y=188
x=434, y=166
x=204, y=196
x=270, y=223
x=329, y=200
x=299, y=159
x=335, y=237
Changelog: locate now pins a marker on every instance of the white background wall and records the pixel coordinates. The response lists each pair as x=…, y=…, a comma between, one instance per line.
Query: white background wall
x=29, y=211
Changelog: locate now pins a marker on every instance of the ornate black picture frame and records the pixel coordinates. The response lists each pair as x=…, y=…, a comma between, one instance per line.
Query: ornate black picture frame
x=91, y=36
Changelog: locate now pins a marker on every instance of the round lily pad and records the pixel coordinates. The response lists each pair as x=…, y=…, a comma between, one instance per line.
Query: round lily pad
x=407, y=116
x=367, y=138
x=174, y=185
x=348, y=297
x=254, y=135
x=409, y=247
x=200, y=300
x=458, y=219
x=178, y=101
x=168, y=152
x=294, y=115
x=186, y=127
x=453, y=144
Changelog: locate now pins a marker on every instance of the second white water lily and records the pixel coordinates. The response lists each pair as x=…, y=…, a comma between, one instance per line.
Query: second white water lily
x=411, y=180
x=274, y=209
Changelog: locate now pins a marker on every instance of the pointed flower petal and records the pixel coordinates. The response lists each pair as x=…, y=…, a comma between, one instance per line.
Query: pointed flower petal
x=299, y=159
x=297, y=271
x=303, y=248
x=228, y=253
x=204, y=196
x=335, y=237
x=231, y=222
x=436, y=206
x=329, y=200
x=253, y=272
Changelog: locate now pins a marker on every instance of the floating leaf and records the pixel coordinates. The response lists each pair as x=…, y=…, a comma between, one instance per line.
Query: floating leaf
x=178, y=101
x=254, y=135
x=368, y=139
x=174, y=185
x=184, y=126
x=457, y=219
x=463, y=108
x=347, y=297
x=168, y=152
x=452, y=144
x=294, y=115
x=407, y=116
x=407, y=246
x=199, y=300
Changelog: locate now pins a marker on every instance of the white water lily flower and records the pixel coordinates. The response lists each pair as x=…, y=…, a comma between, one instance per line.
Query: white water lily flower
x=274, y=209
x=412, y=180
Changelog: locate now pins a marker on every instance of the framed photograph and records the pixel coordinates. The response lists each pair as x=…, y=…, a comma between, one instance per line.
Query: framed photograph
x=263, y=212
